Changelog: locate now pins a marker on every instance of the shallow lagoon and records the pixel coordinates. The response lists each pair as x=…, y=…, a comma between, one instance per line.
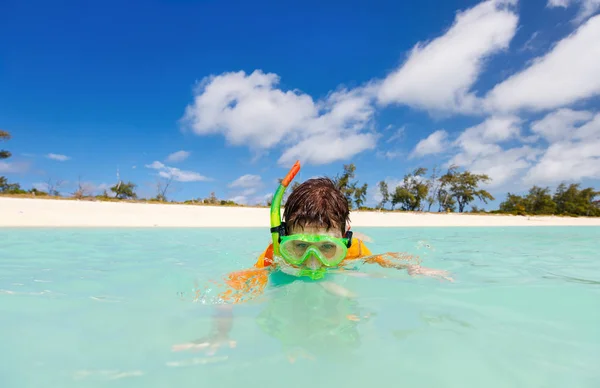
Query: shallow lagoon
x=104, y=308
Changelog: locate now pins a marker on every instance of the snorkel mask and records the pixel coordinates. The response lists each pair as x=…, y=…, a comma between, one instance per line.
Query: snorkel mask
x=296, y=249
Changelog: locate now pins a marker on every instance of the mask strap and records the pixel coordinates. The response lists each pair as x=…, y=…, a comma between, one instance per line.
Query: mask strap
x=280, y=230
x=349, y=237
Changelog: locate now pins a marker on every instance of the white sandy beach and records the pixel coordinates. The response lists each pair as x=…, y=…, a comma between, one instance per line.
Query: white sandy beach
x=25, y=212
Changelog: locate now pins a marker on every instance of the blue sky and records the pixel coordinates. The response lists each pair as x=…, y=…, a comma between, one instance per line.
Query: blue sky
x=235, y=92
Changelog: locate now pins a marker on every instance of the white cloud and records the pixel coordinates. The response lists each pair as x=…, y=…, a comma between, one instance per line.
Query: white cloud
x=59, y=157
x=389, y=154
x=398, y=134
x=560, y=124
x=587, y=7
x=439, y=75
x=571, y=152
x=239, y=199
x=559, y=3
x=249, y=184
x=433, y=144
x=245, y=199
x=566, y=74
x=178, y=156
x=494, y=129
x=176, y=174
x=327, y=148
x=572, y=156
x=13, y=167
x=480, y=152
x=247, y=181
x=250, y=110
x=503, y=165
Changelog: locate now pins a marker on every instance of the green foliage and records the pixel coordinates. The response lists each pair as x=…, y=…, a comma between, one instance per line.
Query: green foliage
x=463, y=187
x=446, y=201
x=360, y=195
x=567, y=200
x=343, y=182
x=475, y=209
x=433, y=187
x=351, y=190
x=572, y=200
x=38, y=193
x=385, y=195
x=4, y=136
x=514, y=204
x=412, y=192
x=5, y=187
x=10, y=188
x=124, y=190
x=539, y=201
x=212, y=199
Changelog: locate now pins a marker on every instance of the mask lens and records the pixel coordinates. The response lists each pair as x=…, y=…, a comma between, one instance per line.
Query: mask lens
x=296, y=250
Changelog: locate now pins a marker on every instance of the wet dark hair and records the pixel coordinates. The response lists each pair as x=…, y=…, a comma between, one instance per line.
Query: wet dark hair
x=317, y=202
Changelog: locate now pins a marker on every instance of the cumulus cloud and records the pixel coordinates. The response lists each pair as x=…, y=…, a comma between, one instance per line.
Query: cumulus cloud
x=586, y=7
x=433, y=144
x=438, y=75
x=251, y=110
x=572, y=154
x=566, y=148
x=176, y=174
x=59, y=157
x=568, y=73
x=178, y=156
x=561, y=124
x=327, y=148
x=481, y=152
x=478, y=148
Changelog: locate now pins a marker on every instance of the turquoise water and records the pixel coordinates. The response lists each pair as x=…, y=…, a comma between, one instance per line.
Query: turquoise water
x=104, y=308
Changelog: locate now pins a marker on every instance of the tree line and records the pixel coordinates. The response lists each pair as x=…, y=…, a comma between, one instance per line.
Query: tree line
x=568, y=200
x=451, y=191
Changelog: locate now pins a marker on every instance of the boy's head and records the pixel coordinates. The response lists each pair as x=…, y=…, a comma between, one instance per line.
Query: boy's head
x=317, y=206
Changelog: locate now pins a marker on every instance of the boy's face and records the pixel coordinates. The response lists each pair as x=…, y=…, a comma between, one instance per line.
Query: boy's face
x=312, y=262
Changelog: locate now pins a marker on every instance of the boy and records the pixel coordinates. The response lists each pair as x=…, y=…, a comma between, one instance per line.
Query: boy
x=314, y=240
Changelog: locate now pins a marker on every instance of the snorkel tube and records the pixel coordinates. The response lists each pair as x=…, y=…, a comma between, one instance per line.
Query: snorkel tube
x=276, y=206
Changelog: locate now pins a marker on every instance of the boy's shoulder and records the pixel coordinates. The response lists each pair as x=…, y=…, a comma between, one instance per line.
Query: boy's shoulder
x=357, y=249
x=266, y=258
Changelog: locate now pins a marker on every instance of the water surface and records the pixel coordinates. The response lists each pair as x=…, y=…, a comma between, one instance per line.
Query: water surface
x=104, y=308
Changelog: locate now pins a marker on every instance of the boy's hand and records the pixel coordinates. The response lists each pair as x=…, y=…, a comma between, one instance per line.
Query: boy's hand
x=337, y=289
x=406, y=261
x=211, y=343
x=418, y=270
x=219, y=336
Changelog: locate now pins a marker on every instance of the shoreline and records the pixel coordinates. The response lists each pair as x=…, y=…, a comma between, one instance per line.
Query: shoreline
x=30, y=212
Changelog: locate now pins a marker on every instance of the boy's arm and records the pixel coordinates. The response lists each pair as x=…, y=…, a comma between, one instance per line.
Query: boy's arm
x=249, y=283
x=395, y=260
x=243, y=285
